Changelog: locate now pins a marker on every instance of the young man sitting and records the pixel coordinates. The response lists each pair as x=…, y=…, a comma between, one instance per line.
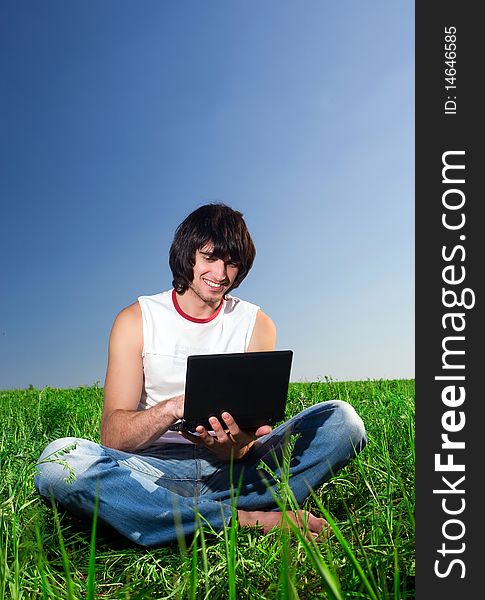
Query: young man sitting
x=151, y=482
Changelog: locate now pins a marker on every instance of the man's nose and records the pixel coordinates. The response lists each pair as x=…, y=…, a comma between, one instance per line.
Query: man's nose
x=220, y=269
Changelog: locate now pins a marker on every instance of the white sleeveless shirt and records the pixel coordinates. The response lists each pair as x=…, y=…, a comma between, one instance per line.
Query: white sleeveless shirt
x=169, y=336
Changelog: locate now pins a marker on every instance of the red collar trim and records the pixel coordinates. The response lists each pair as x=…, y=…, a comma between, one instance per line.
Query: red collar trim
x=193, y=319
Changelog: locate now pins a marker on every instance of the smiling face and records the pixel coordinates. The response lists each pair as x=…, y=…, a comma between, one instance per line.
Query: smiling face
x=220, y=232
x=213, y=277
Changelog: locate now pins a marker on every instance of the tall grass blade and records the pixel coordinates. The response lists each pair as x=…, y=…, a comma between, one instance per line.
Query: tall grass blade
x=397, y=579
x=205, y=561
x=4, y=545
x=44, y=584
x=357, y=537
x=65, y=558
x=313, y=553
x=230, y=549
x=15, y=588
x=286, y=587
x=91, y=585
x=343, y=542
x=193, y=570
x=285, y=496
x=179, y=528
x=230, y=539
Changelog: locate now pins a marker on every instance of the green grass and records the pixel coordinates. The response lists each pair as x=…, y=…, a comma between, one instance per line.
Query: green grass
x=370, y=504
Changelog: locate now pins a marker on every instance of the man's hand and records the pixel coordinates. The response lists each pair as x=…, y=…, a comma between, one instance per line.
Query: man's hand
x=229, y=441
x=175, y=407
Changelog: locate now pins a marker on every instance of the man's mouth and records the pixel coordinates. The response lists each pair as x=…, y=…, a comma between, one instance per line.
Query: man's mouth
x=213, y=284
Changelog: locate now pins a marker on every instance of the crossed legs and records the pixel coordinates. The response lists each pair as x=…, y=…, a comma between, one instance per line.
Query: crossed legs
x=153, y=497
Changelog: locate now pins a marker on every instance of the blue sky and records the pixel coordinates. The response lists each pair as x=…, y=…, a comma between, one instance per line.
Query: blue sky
x=119, y=118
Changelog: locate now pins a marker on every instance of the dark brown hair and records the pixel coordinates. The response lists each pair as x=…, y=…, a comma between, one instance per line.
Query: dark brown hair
x=219, y=225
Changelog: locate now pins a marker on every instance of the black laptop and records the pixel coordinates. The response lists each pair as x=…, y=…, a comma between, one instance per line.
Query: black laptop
x=251, y=386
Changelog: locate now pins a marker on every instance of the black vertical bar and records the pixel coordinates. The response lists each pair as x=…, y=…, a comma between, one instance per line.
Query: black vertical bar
x=449, y=274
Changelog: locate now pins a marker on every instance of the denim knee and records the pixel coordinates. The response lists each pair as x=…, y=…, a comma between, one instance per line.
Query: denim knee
x=352, y=426
x=61, y=464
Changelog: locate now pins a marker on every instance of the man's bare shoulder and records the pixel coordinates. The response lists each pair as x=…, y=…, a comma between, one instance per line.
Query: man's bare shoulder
x=128, y=322
x=264, y=333
x=131, y=311
x=265, y=323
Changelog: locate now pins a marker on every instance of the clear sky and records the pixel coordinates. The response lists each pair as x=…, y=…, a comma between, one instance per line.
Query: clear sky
x=119, y=118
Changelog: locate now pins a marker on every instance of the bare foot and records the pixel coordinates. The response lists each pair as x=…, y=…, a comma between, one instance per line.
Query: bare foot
x=312, y=525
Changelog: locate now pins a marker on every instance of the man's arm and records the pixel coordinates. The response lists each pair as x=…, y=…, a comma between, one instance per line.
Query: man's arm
x=122, y=426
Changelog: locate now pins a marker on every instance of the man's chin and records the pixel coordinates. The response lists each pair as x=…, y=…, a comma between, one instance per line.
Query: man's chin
x=210, y=297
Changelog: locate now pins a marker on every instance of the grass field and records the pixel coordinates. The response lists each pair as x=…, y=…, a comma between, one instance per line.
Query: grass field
x=370, y=503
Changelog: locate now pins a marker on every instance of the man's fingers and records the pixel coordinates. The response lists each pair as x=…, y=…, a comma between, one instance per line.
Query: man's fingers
x=203, y=439
x=204, y=436
x=218, y=429
x=263, y=430
x=231, y=424
x=244, y=435
x=226, y=436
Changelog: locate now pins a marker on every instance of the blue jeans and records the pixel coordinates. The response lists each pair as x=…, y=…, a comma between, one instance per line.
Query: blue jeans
x=152, y=496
